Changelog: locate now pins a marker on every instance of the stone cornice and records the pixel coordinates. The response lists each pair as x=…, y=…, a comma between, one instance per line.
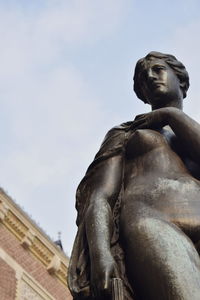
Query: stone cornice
x=32, y=238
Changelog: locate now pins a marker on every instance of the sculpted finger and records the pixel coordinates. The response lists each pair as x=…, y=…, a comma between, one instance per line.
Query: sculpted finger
x=148, y=120
x=138, y=123
x=139, y=116
x=143, y=125
x=107, y=288
x=107, y=282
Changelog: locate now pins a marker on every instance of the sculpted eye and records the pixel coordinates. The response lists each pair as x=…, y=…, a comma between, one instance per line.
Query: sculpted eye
x=158, y=68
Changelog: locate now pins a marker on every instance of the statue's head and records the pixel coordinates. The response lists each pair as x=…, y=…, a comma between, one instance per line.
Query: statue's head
x=143, y=64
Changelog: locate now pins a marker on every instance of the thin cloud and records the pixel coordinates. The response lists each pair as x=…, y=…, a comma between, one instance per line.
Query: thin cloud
x=46, y=101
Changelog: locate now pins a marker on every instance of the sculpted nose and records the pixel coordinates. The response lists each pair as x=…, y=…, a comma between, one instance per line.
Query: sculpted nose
x=151, y=74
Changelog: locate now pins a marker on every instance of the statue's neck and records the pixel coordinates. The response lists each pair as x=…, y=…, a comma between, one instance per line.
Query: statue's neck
x=173, y=103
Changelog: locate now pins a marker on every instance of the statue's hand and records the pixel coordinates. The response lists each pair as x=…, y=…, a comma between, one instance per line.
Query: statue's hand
x=102, y=271
x=155, y=119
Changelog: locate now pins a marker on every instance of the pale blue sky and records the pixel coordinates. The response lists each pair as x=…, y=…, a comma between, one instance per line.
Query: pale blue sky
x=66, y=71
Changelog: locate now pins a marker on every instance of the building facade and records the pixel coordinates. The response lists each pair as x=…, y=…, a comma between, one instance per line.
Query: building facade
x=32, y=267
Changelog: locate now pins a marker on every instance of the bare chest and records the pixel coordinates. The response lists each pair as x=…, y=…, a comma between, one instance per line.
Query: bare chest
x=150, y=151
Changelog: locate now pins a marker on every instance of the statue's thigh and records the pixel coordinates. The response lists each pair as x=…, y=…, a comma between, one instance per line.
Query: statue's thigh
x=161, y=260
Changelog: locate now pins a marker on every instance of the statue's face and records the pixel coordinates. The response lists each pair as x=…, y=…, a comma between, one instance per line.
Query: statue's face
x=161, y=83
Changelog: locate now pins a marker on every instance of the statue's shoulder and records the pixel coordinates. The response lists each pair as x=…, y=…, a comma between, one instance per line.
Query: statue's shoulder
x=113, y=144
x=114, y=139
x=124, y=127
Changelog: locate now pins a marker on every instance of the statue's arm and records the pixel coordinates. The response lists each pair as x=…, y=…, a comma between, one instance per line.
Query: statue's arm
x=185, y=128
x=105, y=187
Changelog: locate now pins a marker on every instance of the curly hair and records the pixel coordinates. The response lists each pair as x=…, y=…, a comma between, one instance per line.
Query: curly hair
x=142, y=64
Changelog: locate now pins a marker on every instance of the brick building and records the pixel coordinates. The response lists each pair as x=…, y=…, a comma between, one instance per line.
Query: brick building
x=32, y=267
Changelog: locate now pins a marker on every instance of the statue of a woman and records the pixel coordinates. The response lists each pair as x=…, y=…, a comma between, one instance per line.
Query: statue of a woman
x=139, y=202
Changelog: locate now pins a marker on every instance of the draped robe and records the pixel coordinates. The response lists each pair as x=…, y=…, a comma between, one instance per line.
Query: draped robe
x=79, y=267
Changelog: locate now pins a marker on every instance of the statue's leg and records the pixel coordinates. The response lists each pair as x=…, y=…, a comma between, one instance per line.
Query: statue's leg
x=161, y=261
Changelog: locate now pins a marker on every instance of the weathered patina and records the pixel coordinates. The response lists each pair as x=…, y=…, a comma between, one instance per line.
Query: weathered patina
x=139, y=202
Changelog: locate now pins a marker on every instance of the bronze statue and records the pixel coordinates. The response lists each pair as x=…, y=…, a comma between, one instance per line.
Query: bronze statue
x=139, y=202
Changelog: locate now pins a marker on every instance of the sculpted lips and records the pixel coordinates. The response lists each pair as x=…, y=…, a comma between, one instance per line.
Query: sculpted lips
x=157, y=84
